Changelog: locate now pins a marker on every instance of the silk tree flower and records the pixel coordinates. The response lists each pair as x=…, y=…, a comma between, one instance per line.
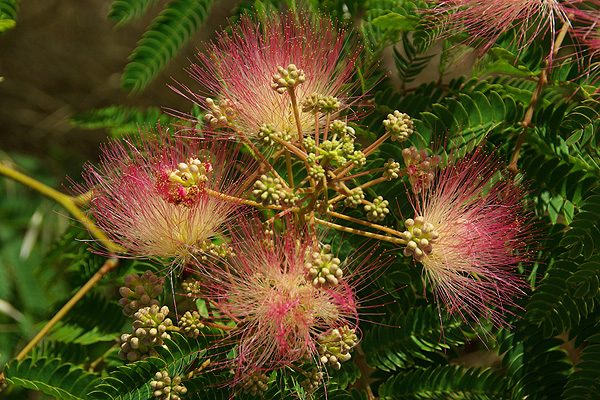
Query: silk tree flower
x=485, y=21
x=469, y=233
x=240, y=66
x=148, y=194
x=285, y=313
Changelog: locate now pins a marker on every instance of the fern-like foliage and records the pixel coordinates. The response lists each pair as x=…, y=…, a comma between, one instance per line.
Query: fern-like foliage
x=584, y=382
x=564, y=297
x=132, y=381
x=8, y=14
x=68, y=333
x=410, y=337
x=384, y=21
x=53, y=377
x=580, y=125
x=584, y=235
x=561, y=186
x=163, y=40
x=119, y=119
x=536, y=368
x=411, y=61
x=445, y=382
x=125, y=11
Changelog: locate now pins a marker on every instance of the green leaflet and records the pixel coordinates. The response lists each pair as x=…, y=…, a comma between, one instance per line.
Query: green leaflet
x=558, y=302
x=395, y=21
x=584, y=236
x=163, y=40
x=120, y=119
x=410, y=337
x=8, y=14
x=411, y=61
x=51, y=376
x=583, y=383
x=125, y=11
x=536, y=367
x=443, y=382
x=132, y=381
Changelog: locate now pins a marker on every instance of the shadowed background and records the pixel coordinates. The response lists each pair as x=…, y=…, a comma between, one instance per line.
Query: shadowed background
x=65, y=57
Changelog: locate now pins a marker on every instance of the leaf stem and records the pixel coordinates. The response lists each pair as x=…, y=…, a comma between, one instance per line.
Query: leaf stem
x=68, y=202
x=235, y=199
x=537, y=93
x=369, y=235
x=108, y=265
x=376, y=144
x=292, y=94
x=366, y=223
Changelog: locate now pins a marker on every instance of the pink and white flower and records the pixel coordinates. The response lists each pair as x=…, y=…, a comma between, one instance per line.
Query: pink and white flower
x=485, y=21
x=149, y=194
x=469, y=233
x=239, y=68
x=285, y=314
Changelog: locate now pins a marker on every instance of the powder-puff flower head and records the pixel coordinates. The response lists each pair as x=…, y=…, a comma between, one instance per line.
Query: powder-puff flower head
x=290, y=298
x=469, y=234
x=485, y=21
x=240, y=68
x=149, y=194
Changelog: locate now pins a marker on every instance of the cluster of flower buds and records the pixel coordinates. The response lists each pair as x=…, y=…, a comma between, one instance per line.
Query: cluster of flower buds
x=399, y=126
x=287, y=78
x=255, y=384
x=183, y=184
x=166, y=388
x=337, y=150
x=323, y=207
x=335, y=346
x=323, y=268
x=392, y=169
x=219, y=114
x=316, y=103
x=267, y=134
x=149, y=329
x=312, y=380
x=316, y=171
x=192, y=288
x=420, y=236
x=377, y=210
x=268, y=190
x=140, y=292
x=341, y=129
x=207, y=247
x=419, y=166
x=190, y=324
x=355, y=198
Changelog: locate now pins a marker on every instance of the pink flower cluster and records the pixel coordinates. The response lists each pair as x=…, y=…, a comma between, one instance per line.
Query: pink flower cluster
x=484, y=21
x=470, y=233
x=282, y=313
x=149, y=194
x=288, y=295
x=239, y=68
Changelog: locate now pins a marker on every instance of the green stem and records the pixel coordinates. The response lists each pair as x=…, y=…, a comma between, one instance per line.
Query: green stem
x=537, y=93
x=68, y=202
x=262, y=158
x=247, y=202
x=375, y=144
x=327, y=122
x=369, y=235
x=297, y=117
x=108, y=265
x=366, y=223
x=373, y=182
x=288, y=163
